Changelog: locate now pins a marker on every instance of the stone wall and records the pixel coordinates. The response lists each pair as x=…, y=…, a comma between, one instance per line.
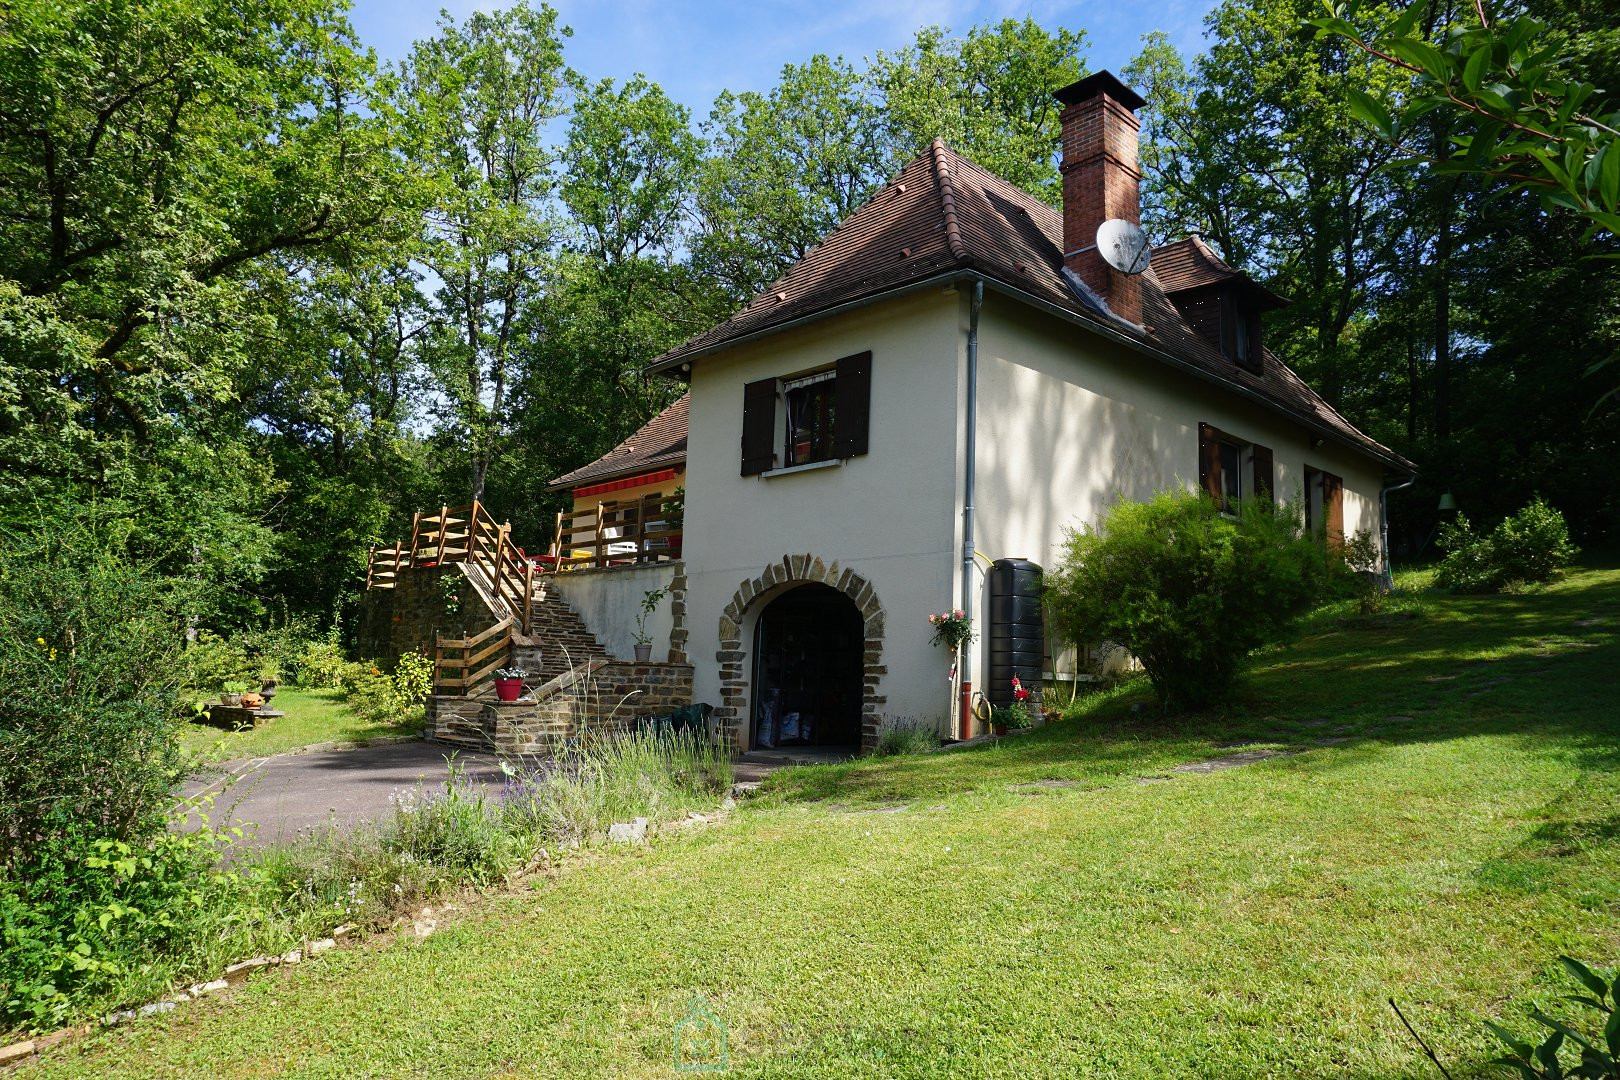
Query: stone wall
x=406, y=617
x=603, y=694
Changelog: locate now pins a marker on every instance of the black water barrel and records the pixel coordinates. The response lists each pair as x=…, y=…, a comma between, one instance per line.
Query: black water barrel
x=1017, y=631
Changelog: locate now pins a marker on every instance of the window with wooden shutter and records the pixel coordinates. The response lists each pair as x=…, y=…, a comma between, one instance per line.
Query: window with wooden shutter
x=1265, y=471
x=759, y=427
x=854, y=405
x=1333, y=508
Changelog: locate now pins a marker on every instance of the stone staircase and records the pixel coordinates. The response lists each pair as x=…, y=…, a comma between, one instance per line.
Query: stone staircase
x=558, y=640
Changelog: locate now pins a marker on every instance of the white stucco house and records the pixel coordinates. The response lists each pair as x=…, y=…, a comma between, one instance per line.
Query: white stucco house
x=956, y=376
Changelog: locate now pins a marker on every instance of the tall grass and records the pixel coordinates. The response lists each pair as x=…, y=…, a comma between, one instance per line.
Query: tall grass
x=245, y=902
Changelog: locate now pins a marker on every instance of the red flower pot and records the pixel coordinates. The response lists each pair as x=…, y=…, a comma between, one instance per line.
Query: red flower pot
x=508, y=689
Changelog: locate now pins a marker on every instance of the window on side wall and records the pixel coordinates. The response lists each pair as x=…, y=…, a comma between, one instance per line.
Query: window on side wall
x=1324, y=504
x=808, y=417
x=1231, y=468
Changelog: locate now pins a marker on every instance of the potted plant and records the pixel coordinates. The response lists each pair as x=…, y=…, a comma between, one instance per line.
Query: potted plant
x=649, y=604
x=952, y=629
x=232, y=693
x=509, y=683
x=1005, y=718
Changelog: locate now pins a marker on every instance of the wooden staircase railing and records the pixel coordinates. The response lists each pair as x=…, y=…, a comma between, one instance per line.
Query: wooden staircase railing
x=497, y=567
x=474, y=659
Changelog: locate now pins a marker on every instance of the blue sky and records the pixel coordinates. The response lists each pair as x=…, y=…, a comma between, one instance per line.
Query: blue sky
x=695, y=50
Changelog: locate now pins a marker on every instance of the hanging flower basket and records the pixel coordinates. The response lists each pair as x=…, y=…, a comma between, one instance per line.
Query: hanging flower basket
x=952, y=629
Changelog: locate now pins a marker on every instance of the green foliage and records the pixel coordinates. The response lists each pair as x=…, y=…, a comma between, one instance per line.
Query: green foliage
x=91, y=916
x=387, y=697
x=1012, y=717
x=1530, y=547
x=1598, y=1052
x=904, y=735
x=212, y=662
x=1189, y=590
x=89, y=678
x=1523, y=118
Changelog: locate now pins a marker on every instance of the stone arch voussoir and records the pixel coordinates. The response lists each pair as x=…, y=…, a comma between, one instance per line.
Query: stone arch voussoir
x=797, y=569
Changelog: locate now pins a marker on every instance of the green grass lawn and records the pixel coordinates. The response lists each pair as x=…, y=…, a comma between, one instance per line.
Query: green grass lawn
x=933, y=916
x=313, y=716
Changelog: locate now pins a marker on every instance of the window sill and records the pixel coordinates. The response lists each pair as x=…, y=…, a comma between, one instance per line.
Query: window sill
x=806, y=467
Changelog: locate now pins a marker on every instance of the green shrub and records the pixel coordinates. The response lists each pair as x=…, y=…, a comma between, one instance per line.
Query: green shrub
x=90, y=676
x=395, y=697
x=100, y=920
x=319, y=665
x=904, y=735
x=1189, y=590
x=1527, y=548
x=211, y=662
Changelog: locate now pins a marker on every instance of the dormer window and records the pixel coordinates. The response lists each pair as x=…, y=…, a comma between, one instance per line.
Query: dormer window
x=1240, y=333
x=1222, y=304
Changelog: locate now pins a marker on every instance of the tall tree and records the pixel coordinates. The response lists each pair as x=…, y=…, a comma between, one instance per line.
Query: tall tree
x=988, y=94
x=477, y=100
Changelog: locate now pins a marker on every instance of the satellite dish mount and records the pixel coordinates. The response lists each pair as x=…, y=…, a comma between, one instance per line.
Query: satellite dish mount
x=1123, y=245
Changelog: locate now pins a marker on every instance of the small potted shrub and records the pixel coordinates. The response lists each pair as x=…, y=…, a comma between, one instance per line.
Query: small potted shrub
x=649, y=604
x=1012, y=717
x=232, y=693
x=509, y=683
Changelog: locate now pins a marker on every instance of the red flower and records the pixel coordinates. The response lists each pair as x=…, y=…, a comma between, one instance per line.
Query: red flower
x=1019, y=693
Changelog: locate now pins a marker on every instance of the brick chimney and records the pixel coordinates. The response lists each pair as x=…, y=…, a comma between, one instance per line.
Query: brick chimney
x=1102, y=177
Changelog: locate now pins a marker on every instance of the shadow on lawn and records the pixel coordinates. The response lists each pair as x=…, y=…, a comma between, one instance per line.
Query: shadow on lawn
x=1540, y=664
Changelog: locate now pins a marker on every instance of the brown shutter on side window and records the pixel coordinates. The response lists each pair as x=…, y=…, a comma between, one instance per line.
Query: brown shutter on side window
x=1209, y=461
x=1333, y=507
x=759, y=426
x=853, y=415
x=1265, y=471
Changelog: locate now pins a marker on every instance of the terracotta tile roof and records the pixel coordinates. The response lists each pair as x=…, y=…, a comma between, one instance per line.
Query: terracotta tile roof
x=658, y=443
x=943, y=213
x=1187, y=264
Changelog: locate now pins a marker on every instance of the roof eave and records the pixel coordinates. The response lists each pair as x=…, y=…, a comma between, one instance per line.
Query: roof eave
x=969, y=273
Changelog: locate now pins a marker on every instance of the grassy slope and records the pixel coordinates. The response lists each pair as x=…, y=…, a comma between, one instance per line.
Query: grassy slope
x=1244, y=923
x=313, y=716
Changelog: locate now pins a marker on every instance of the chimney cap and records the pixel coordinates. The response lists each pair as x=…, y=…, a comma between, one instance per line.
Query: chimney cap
x=1103, y=82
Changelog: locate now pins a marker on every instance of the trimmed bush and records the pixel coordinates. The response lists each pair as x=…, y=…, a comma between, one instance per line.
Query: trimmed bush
x=1190, y=590
x=1530, y=547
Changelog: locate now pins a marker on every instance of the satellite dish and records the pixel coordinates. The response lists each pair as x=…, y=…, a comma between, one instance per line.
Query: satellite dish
x=1123, y=245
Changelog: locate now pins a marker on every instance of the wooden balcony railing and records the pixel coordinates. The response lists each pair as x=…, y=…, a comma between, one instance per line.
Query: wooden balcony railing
x=617, y=534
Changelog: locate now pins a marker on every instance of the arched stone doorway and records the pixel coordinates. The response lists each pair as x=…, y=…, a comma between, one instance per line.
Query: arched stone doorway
x=807, y=671
x=736, y=662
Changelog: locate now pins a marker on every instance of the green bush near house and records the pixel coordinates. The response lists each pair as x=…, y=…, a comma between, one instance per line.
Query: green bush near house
x=903, y=735
x=1189, y=589
x=1530, y=547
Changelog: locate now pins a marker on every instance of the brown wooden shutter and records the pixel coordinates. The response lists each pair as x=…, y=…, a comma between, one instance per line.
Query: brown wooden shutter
x=1333, y=508
x=759, y=427
x=853, y=418
x=1265, y=471
x=1209, y=461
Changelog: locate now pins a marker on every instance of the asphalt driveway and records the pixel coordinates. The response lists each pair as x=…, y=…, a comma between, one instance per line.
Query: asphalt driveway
x=274, y=798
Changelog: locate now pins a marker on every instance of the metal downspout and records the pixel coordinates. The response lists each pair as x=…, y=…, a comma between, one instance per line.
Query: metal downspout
x=1383, y=521
x=969, y=449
